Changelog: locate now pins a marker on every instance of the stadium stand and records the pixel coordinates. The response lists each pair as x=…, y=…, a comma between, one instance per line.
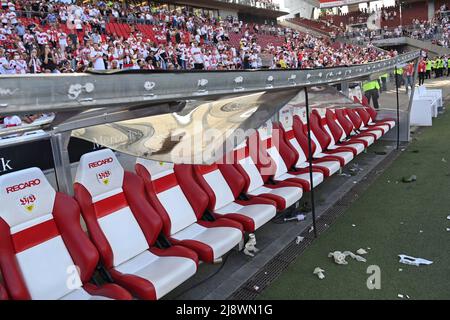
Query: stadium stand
x=67, y=38
x=317, y=25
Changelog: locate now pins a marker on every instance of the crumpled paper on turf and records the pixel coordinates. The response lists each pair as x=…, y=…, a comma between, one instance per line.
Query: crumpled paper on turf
x=339, y=257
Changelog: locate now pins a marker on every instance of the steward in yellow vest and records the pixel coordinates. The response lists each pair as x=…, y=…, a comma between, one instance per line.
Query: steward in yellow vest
x=370, y=89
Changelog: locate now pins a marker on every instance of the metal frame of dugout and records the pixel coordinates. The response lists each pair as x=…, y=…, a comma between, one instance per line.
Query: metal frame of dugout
x=91, y=99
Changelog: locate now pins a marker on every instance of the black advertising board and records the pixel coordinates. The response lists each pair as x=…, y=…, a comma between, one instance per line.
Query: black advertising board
x=39, y=154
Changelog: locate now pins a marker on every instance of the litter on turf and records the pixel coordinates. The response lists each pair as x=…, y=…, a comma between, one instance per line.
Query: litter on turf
x=339, y=257
x=319, y=272
x=361, y=251
x=410, y=179
x=413, y=261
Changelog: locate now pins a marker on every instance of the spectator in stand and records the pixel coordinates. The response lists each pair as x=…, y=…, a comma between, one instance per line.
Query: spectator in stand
x=197, y=56
x=96, y=57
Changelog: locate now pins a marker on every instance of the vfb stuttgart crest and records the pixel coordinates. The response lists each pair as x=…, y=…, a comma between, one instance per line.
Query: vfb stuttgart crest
x=104, y=177
x=28, y=202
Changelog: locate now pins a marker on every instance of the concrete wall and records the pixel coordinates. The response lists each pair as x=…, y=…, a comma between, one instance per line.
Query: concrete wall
x=431, y=9
x=431, y=48
x=225, y=12
x=301, y=29
x=302, y=7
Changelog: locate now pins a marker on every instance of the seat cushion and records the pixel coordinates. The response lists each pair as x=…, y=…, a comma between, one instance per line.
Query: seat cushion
x=357, y=147
x=332, y=166
x=317, y=178
x=258, y=213
x=209, y=242
x=289, y=195
x=165, y=273
x=377, y=132
x=369, y=138
x=347, y=156
x=389, y=123
x=81, y=294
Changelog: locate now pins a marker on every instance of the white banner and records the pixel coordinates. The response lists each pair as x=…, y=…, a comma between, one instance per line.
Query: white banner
x=339, y=3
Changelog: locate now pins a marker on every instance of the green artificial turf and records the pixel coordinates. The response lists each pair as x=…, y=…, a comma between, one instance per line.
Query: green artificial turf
x=388, y=219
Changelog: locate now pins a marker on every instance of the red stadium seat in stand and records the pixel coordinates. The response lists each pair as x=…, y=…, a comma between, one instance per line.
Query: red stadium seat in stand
x=284, y=193
x=181, y=205
x=224, y=184
x=125, y=228
x=45, y=254
x=275, y=151
x=327, y=166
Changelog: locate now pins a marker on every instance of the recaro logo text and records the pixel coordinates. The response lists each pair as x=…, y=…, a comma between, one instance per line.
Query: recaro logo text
x=100, y=163
x=24, y=185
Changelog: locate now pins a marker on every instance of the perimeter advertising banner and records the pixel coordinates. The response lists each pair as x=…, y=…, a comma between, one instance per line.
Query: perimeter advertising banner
x=337, y=3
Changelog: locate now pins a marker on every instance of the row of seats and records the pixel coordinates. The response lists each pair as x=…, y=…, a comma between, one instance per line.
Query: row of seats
x=148, y=229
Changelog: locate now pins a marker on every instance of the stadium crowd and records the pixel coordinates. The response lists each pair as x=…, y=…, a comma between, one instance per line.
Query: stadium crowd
x=436, y=30
x=47, y=37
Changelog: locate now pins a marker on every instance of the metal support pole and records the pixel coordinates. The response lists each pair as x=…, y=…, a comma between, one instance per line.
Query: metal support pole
x=398, y=108
x=311, y=184
x=344, y=88
x=60, y=143
x=411, y=98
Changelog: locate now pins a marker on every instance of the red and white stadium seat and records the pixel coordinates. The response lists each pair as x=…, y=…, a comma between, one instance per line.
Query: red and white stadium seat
x=358, y=124
x=45, y=254
x=301, y=134
x=224, y=184
x=373, y=121
x=284, y=193
x=181, y=205
x=323, y=141
x=275, y=151
x=346, y=124
x=125, y=227
x=336, y=134
x=295, y=139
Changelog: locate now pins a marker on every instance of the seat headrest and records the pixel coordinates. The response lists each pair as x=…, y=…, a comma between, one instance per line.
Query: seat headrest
x=286, y=117
x=156, y=169
x=100, y=172
x=24, y=196
x=320, y=111
x=301, y=112
x=265, y=131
